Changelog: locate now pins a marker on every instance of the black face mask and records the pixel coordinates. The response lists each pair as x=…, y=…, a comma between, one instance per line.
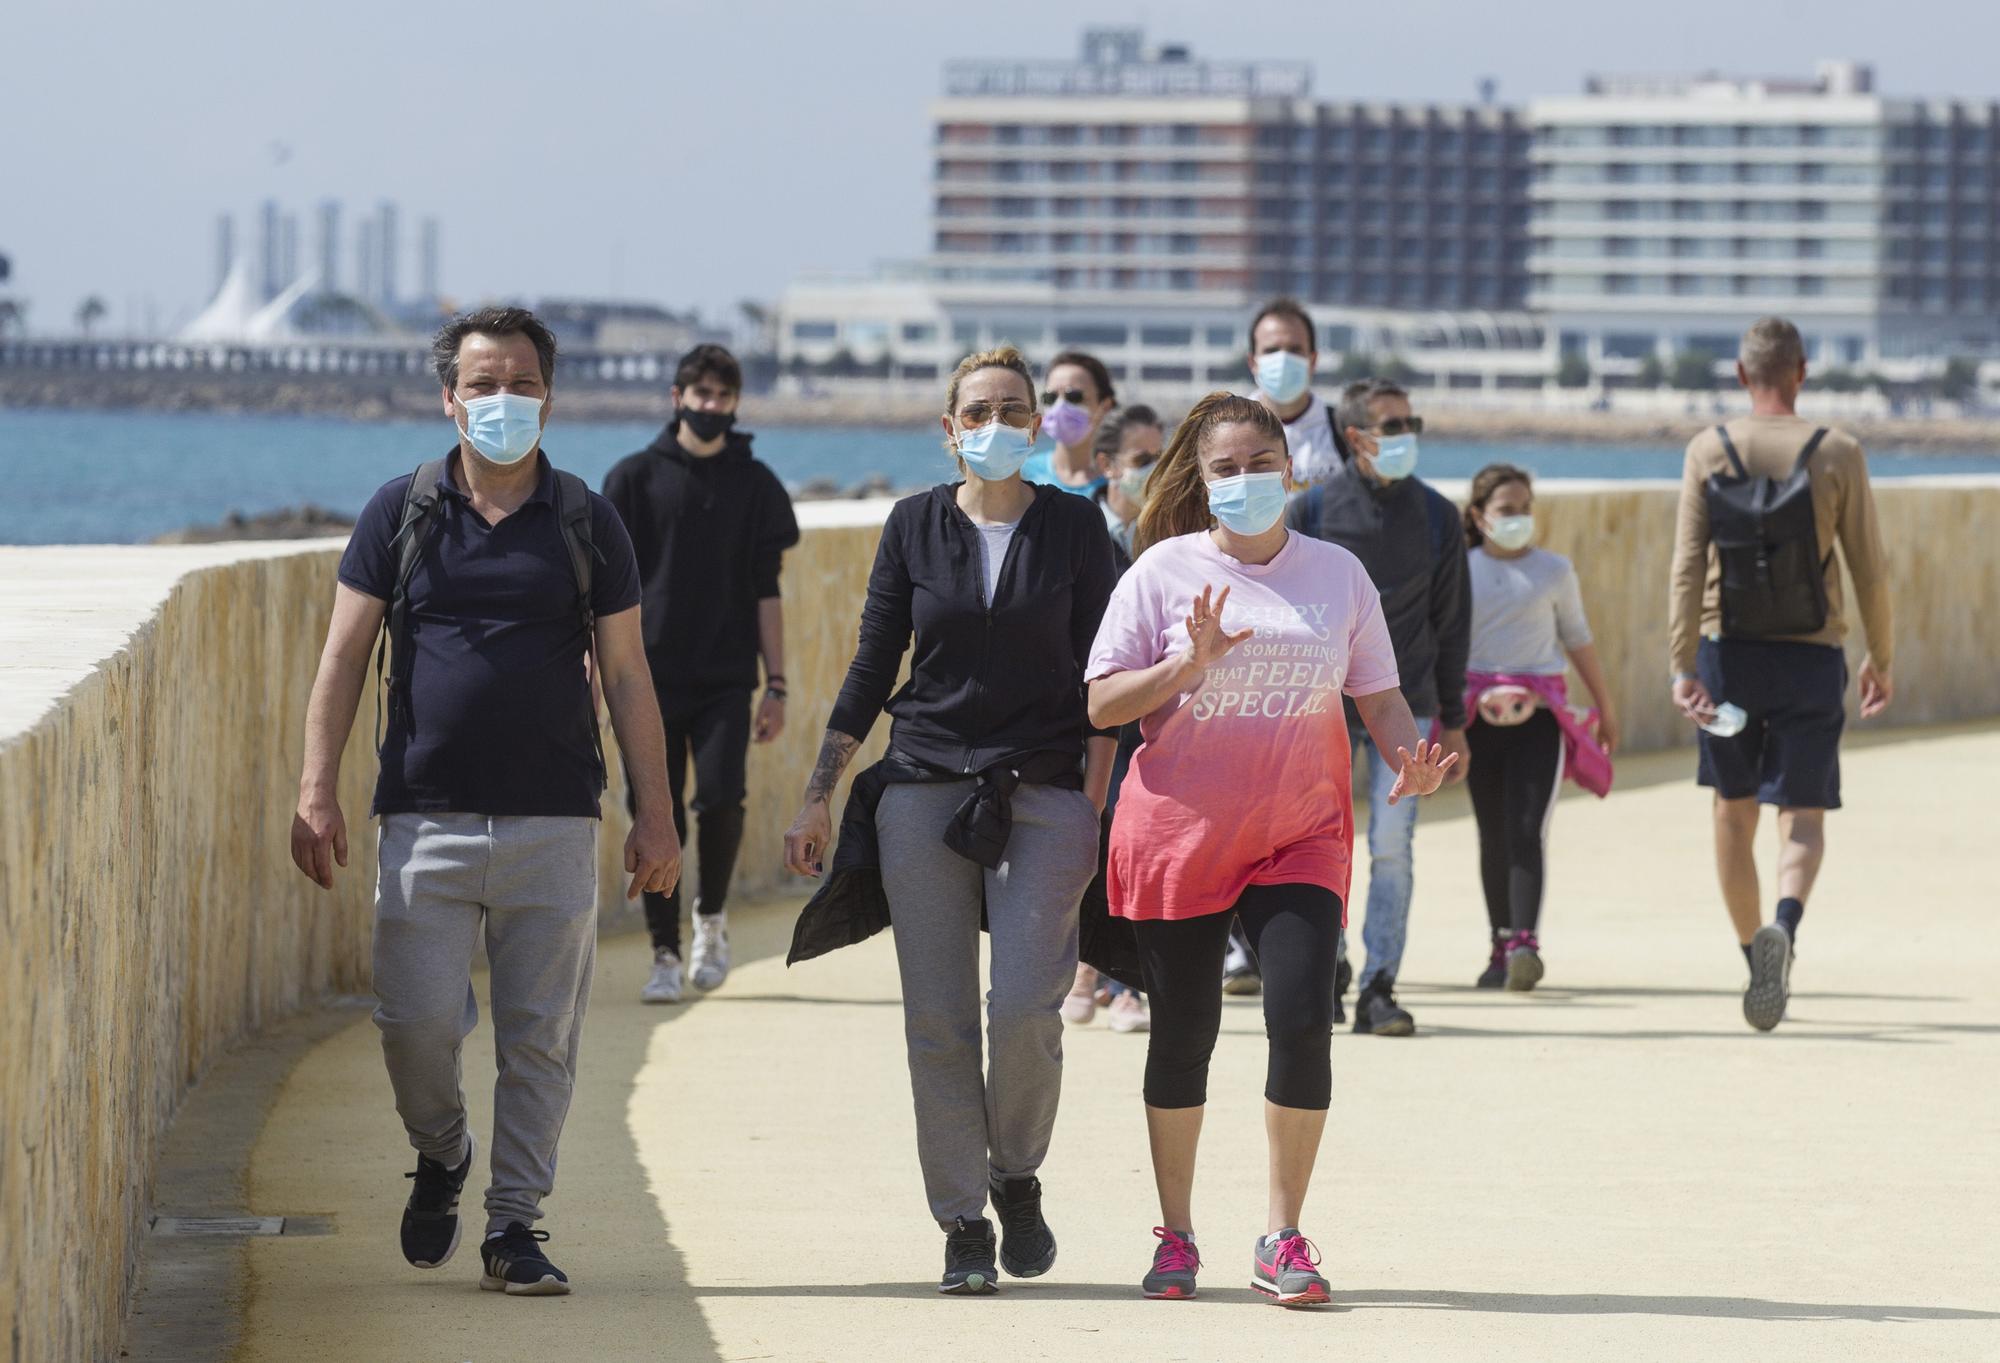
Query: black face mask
x=706, y=426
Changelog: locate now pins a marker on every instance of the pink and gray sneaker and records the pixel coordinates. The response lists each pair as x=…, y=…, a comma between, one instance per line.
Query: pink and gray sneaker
x=1175, y=1263
x=1524, y=962
x=1286, y=1270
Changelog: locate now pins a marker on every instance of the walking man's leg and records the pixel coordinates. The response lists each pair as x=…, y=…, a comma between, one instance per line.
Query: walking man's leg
x=1391, y=881
x=1736, y=864
x=663, y=911
x=719, y=739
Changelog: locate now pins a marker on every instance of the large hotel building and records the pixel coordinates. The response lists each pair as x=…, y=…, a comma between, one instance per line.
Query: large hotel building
x=1141, y=203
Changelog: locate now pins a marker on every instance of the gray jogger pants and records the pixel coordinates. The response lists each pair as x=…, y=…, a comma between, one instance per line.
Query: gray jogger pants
x=974, y=1126
x=533, y=883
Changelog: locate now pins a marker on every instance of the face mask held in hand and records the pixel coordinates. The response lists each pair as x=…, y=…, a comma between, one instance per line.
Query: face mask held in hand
x=503, y=427
x=1282, y=375
x=995, y=450
x=1511, y=532
x=1396, y=457
x=1249, y=503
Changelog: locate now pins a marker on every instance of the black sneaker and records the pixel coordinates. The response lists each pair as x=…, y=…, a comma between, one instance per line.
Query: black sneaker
x=1376, y=1013
x=1770, y=977
x=1343, y=976
x=430, y=1220
x=516, y=1265
x=1027, y=1245
x=968, y=1258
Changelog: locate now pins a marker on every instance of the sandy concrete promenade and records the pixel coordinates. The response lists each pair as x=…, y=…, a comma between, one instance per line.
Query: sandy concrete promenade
x=1614, y=1167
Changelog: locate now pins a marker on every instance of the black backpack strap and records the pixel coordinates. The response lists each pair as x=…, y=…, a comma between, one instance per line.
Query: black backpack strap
x=1729, y=448
x=413, y=532
x=573, y=511
x=1812, y=446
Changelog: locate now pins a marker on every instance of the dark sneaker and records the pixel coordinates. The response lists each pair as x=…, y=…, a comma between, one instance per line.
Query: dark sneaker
x=1343, y=976
x=1770, y=977
x=1175, y=1263
x=1239, y=966
x=1027, y=1245
x=430, y=1220
x=1495, y=974
x=1376, y=1013
x=1286, y=1270
x=1524, y=962
x=516, y=1265
x=968, y=1258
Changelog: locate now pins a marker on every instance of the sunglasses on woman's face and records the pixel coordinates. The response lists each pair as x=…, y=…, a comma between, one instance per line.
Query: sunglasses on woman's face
x=976, y=414
x=1073, y=396
x=1401, y=425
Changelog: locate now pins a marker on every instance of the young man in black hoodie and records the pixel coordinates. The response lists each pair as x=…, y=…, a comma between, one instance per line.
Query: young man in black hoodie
x=710, y=526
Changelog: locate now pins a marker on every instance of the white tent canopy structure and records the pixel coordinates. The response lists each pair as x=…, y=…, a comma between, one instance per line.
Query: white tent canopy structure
x=238, y=314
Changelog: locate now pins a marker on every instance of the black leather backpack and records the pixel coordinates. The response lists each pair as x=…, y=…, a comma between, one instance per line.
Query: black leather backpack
x=1767, y=538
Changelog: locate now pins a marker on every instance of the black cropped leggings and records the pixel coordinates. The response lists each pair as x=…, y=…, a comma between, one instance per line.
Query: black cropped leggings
x=1294, y=931
x=1516, y=773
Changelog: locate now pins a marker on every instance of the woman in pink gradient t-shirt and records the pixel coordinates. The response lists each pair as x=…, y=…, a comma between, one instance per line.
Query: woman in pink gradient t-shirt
x=1233, y=640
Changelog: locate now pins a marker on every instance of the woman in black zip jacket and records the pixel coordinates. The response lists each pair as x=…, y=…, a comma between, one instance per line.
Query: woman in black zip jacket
x=988, y=800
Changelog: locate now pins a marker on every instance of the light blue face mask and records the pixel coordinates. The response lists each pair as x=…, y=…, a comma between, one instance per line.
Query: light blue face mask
x=503, y=427
x=995, y=450
x=1396, y=457
x=1283, y=375
x=1249, y=503
x=1511, y=532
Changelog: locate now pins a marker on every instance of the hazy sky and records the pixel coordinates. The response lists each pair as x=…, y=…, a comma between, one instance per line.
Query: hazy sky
x=698, y=153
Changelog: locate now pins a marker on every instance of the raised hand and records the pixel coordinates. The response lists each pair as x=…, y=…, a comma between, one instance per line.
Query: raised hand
x=1423, y=772
x=1208, y=641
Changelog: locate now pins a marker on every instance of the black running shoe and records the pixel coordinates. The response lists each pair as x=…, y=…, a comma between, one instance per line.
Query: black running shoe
x=430, y=1220
x=1027, y=1245
x=1770, y=977
x=1376, y=1013
x=968, y=1258
x=1495, y=974
x=516, y=1265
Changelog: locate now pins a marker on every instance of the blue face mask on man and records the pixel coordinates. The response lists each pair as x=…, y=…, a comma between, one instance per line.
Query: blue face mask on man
x=1249, y=503
x=996, y=450
x=1396, y=457
x=1283, y=375
x=503, y=427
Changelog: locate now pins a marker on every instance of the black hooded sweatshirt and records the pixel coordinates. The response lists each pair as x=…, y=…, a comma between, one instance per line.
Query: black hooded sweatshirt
x=710, y=535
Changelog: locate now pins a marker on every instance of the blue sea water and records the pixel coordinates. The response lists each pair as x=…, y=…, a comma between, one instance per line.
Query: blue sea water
x=122, y=477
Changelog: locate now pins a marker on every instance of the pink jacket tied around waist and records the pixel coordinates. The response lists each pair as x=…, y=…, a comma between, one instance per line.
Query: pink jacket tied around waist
x=1584, y=759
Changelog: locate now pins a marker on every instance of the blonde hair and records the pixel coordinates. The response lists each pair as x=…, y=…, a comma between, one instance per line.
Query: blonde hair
x=1000, y=357
x=1177, y=494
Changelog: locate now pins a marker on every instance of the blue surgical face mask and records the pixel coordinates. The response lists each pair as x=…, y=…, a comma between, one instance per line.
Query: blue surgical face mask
x=1283, y=375
x=503, y=427
x=1249, y=503
x=1512, y=532
x=995, y=450
x=1396, y=457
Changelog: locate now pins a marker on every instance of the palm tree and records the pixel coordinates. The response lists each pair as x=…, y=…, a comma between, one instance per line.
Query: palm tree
x=89, y=313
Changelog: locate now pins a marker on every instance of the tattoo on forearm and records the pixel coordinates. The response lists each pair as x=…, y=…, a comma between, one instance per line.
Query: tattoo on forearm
x=834, y=755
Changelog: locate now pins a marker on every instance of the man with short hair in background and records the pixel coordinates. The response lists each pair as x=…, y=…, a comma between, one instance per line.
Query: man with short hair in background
x=502, y=579
x=710, y=525
x=1780, y=743
x=1283, y=355
x=1410, y=539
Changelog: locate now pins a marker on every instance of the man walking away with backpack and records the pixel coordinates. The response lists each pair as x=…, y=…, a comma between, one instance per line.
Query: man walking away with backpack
x=499, y=577
x=1756, y=625
x=710, y=525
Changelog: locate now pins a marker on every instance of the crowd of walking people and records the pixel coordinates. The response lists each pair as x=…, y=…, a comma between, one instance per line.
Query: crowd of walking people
x=1139, y=673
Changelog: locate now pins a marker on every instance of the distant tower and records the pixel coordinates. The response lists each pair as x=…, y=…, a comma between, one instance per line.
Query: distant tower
x=367, y=278
x=427, y=262
x=385, y=255
x=268, y=246
x=288, y=250
x=225, y=247
x=1489, y=89
x=329, y=246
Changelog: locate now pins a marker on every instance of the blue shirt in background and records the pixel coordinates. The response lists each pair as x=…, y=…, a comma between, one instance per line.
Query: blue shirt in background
x=1041, y=468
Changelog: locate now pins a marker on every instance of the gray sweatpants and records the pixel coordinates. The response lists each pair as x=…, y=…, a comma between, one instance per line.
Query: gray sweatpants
x=973, y=1126
x=533, y=883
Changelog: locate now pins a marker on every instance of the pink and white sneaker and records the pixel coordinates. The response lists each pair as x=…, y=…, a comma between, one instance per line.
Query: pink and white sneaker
x=1286, y=1270
x=1175, y=1263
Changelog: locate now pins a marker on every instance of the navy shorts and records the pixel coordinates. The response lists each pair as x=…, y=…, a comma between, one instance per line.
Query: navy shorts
x=1788, y=753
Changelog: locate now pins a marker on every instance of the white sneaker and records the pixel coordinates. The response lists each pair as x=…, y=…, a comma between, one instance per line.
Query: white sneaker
x=664, y=986
x=708, y=963
x=1079, y=1006
x=1129, y=1013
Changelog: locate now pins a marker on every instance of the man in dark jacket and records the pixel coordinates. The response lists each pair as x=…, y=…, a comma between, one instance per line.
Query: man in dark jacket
x=710, y=526
x=1408, y=536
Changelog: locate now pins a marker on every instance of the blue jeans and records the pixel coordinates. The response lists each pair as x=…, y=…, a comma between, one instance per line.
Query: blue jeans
x=1391, y=831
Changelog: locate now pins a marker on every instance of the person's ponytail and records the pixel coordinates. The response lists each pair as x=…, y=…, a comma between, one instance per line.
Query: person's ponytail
x=1177, y=494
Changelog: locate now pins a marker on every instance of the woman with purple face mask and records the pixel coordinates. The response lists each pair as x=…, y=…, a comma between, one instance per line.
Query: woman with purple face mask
x=1077, y=395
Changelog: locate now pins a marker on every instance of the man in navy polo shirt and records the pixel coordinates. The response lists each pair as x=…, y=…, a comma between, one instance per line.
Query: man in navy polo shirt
x=489, y=783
